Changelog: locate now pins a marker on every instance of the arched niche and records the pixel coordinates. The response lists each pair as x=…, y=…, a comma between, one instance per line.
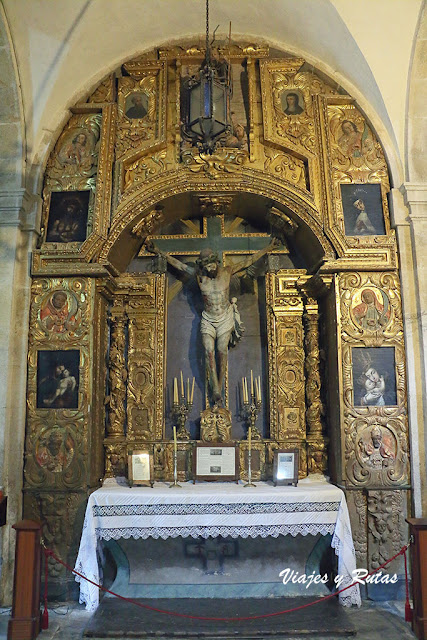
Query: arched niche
x=134, y=219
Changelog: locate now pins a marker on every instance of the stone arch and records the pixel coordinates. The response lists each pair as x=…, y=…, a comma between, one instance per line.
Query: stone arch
x=417, y=117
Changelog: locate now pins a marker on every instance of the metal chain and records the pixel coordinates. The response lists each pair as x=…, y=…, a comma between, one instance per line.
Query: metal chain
x=208, y=56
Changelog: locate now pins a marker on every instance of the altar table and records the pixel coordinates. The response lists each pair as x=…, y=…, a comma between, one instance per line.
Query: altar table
x=215, y=509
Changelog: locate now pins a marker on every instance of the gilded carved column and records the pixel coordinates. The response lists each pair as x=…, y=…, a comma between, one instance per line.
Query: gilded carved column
x=316, y=442
x=286, y=363
x=117, y=375
x=115, y=401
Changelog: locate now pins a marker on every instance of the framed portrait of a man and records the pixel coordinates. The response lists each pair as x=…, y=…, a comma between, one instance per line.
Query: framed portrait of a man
x=363, y=209
x=68, y=214
x=136, y=105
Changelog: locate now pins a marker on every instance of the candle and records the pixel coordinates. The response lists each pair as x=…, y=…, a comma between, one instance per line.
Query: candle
x=174, y=440
x=175, y=391
x=257, y=390
x=182, y=386
x=243, y=390
x=249, y=438
x=188, y=389
x=252, y=386
x=246, y=400
x=192, y=391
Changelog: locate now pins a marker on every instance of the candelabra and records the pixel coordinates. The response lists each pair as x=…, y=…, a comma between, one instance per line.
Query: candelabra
x=251, y=405
x=250, y=410
x=181, y=407
x=180, y=412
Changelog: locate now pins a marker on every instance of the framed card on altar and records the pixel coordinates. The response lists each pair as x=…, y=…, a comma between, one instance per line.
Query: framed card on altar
x=285, y=467
x=140, y=468
x=218, y=462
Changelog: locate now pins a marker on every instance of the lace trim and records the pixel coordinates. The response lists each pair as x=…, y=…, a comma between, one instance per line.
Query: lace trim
x=203, y=509
x=255, y=531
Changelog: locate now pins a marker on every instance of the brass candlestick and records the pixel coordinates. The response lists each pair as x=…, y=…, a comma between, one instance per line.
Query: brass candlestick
x=175, y=484
x=249, y=482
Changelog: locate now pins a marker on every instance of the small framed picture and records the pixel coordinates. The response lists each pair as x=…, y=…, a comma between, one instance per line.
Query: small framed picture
x=363, y=209
x=285, y=467
x=140, y=468
x=216, y=462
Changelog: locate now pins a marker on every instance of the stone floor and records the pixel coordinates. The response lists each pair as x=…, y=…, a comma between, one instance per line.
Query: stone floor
x=373, y=621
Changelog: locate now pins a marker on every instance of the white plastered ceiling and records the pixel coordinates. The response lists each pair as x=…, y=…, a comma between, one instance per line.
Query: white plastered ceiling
x=64, y=47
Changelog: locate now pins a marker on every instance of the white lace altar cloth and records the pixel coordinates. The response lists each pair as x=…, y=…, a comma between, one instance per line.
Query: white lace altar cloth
x=215, y=509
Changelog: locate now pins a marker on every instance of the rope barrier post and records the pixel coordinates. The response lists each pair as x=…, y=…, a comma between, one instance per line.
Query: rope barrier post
x=25, y=620
x=418, y=530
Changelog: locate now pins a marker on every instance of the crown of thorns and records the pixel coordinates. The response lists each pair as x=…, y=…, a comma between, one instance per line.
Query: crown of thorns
x=206, y=257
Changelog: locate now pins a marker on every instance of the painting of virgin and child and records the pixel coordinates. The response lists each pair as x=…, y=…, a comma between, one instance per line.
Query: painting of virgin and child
x=58, y=379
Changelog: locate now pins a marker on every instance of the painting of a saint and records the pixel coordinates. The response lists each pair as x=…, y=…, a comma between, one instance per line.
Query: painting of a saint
x=58, y=379
x=58, y=311
x=78, y=151
x=237, y=137
x=363, y=209
x=68, y=214
x=350, y=140
x=372, y=312
x=136, y=106
x=55, y=450
x=374, y=373
x=292, y=103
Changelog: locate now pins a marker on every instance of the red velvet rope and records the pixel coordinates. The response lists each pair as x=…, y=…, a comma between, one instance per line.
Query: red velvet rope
x=49, y=552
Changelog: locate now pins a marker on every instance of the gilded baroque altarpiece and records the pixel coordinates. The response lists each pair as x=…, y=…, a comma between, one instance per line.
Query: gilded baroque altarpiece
x=334, y=345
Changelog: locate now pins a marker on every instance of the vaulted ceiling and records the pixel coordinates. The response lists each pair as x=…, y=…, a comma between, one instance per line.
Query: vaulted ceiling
x=64, y=47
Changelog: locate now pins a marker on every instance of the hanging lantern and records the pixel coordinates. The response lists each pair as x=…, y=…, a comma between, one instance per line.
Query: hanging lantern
x=208, y=97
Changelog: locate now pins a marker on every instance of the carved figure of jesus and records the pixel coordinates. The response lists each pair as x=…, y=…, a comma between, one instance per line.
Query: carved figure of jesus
x=220, y=325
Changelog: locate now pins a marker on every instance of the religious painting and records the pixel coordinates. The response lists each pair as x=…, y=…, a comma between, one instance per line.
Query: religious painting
x=58, y=379
x=136, y=105
x=363, y=209
x=292, y=102
x=353, y=143
x=68, y=213
x=374, y=376
x=370, y=308
x=55, y=449
x=78, y=150
x=59, y=311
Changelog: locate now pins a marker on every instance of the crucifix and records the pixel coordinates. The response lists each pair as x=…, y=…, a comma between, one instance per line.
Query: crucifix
x=220, y=324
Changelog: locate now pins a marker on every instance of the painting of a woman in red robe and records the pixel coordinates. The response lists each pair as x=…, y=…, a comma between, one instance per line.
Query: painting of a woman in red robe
x=371, y=313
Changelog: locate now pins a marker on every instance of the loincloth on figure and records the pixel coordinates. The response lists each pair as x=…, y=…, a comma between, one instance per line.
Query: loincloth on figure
x=228, y=322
